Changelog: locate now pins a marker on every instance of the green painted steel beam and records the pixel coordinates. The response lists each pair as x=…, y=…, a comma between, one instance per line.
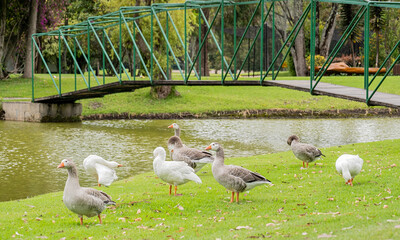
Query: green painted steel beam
x=149, y=48
x=46, y=66
x=135, y=45
x=183, y=45
x=169, y=47
x=223, y=60
x=118, y=57
x=202, y=43
x=105, y=52
x=237, y=48
x=86, y=59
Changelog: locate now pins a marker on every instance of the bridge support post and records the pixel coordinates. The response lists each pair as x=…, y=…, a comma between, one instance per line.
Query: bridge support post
x=42, y=112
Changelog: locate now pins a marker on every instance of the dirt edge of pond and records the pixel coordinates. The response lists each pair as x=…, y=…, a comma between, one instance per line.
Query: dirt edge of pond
x=263, y=113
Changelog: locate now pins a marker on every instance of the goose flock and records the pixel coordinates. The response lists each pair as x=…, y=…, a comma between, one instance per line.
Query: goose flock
x=182, y=168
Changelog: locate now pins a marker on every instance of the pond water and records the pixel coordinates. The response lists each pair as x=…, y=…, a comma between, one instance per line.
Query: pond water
x=31, y=152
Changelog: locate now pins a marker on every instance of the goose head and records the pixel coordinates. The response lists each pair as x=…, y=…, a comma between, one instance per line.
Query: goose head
x=174, y=126
x=174, y=142
x=214, y=146
x=291, y=139
x=66, y=163
x=159, y=151
x=114, y=164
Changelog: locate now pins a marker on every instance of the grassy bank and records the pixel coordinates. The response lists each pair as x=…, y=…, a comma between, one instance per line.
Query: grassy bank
x=302, y=204
x=194, y=99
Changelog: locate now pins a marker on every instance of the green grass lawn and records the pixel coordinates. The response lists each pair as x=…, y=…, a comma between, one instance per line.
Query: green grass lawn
x=302, y=204
x=194, y=99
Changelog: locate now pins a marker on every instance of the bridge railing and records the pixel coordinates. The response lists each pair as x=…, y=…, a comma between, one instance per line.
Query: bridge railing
x=158, y=37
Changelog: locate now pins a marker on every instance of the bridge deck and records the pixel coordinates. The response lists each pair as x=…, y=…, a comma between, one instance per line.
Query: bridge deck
x=327, y=89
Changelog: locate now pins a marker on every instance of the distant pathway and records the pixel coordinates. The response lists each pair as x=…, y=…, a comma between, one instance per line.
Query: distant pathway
x=339, y=91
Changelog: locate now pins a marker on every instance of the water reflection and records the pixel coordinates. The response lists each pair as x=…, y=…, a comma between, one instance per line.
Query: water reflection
x=30, y=152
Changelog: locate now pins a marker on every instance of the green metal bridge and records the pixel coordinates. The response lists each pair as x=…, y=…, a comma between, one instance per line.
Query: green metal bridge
x=159, y=42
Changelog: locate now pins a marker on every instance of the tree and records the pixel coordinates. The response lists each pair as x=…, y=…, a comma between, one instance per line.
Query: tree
x=3, y=19
x=33, y=13
x=12, y=32
x=325, y=39
x=347, y=12
x=292, y=11
x=378, y=22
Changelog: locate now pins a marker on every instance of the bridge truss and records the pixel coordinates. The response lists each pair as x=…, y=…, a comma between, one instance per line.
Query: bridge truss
x=163, y=26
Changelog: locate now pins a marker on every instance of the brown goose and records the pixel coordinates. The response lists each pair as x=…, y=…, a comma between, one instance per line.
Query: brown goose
x=234, y=178
x=176, y=128
x=193, y=157
x=80, y=200
x=303, y=151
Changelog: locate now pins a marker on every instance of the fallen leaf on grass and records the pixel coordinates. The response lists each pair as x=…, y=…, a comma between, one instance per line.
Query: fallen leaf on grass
x=280, y=210
x=386, y=198
x=326, y=235
x=270, y=224
x=43, y=237
x=347, y=228
x=179, y=207
x=385, y=206
x=38, y=219
x=331, y=199
x=390, y=220
x=243, y=227
x=138, y=211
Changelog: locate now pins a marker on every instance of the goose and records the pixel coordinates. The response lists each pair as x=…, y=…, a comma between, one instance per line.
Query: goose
x=234, y=178
x=173, y=172
x=80, y=200
x=193, y=157
x=349, y=166
x=176, y=128
x=102, y=169
x=303, y=151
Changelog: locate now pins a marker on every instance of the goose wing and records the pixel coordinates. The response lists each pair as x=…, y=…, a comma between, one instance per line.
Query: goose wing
x=246, y=175
x=106, y=175
x=104, y=197
x=313, y=151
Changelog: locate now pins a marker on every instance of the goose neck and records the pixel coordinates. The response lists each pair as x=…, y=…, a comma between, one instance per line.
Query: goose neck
x=73, y=178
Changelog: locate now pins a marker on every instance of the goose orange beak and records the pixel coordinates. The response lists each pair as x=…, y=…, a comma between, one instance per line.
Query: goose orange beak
x=208, y=148
x=61, y=165
x=171, y=126
x=119, y=165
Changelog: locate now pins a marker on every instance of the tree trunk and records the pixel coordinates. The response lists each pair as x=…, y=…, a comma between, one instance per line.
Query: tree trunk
x=158, y=92
x=205, y=71
x=329, y=29
x=32, y=29
x=2, y=33
x=353, y=53
x=317, y=38
x=377, y=48
x=299, y=51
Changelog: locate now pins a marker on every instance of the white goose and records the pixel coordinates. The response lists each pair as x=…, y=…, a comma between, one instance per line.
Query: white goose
x=349, y=166
x=234, y=178
x=102, y=169
x=173, y=172
x=80, y=200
